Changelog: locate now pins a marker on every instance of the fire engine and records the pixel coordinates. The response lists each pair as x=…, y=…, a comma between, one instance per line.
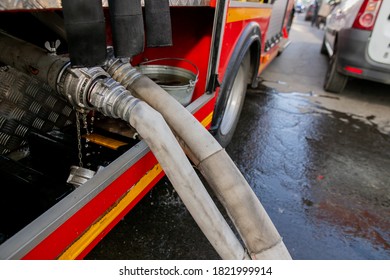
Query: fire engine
x=101, y=99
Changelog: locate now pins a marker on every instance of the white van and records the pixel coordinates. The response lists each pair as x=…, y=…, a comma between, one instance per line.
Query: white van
x=357, y=39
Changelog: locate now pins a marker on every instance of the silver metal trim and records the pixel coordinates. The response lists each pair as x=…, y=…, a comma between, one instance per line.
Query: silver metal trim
x=56, y=4
x=25, y=240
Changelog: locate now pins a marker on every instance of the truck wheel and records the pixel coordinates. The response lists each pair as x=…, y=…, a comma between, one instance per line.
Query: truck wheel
x=334, y=81
x=235, y=100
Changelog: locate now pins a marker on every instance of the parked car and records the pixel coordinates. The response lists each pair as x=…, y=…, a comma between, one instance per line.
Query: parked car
x=357, y=39
x=299, y=7
x=321, y=14
x=309, y=13
x=325, y=9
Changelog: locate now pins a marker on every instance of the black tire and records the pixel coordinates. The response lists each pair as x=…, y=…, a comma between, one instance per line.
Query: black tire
x=235, y=99
x=323, y=47
x=334, y=81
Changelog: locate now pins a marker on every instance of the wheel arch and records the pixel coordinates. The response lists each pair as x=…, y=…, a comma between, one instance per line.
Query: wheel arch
x=249, y=41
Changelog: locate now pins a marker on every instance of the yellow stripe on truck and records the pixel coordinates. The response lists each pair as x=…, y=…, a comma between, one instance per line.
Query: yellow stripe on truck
x=240, y=14
x=207, y=120
x=97, y=228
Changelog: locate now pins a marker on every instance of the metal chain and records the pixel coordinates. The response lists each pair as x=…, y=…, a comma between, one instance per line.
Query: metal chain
x=80, y=154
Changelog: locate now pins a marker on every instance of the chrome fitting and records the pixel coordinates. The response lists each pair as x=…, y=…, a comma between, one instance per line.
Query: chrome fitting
x=112, y=99
x=76, y=84
x=122, y=72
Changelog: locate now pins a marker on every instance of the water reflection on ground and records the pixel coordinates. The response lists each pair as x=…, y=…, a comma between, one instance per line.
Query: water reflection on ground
x=322, y=175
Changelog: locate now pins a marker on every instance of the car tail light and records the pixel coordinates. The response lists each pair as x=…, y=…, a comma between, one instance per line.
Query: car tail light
x=366, y=16
x=353, y=70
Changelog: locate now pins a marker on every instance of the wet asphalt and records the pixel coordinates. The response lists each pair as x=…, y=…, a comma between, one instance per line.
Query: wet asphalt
x=319, y=163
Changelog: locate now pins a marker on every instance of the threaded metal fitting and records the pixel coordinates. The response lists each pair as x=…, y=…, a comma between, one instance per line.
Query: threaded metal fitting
x=122, y=72
x=112, y=99
x=76, y=83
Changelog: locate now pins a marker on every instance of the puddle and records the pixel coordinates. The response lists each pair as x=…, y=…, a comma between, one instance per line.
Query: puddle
x=325, y=175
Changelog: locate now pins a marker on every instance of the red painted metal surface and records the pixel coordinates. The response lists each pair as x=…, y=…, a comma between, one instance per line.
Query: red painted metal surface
x=232, y=33
x=191, y=41
x=68, y=232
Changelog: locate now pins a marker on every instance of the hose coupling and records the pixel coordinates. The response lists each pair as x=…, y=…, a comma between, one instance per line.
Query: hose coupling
x=75, y=84
x=112, y=99
x=122, y=72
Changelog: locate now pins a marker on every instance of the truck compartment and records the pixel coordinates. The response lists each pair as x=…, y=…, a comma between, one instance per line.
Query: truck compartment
x=39, y=141
x=39, y=144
